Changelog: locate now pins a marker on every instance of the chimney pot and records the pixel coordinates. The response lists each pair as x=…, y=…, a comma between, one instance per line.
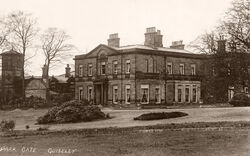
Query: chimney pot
x=177, y=45
x=114, y=40
x=153, y=38
x=67, y=71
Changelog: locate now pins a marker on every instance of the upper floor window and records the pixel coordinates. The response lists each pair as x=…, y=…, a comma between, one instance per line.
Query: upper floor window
x=80, y=70
x=182, y=69
x=103, y=68
x=127, y=66
x=115, y=65
x=193, y=69
x=146, y=65
x=169, y=68
x=90, y=68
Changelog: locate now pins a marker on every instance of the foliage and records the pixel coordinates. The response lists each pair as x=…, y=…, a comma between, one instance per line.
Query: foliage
x=160, y=115
x=7, y=125
x=29, y=102
x=240, y=99
x=61, y=98
x=72, y=111
x=43, y=128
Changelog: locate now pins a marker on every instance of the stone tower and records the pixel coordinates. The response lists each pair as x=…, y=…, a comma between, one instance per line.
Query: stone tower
x=12, y=73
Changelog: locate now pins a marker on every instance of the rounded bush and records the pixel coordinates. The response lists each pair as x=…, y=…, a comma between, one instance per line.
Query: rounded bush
x=7, y=125
x=72, y=111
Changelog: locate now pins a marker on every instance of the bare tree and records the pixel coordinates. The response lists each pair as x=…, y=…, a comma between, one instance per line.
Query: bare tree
x=22, y=31
x=55, y=48
x=236, y=25
x=205, y=43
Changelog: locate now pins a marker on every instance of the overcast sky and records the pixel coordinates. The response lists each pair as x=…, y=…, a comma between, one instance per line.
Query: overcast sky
x=89, y=22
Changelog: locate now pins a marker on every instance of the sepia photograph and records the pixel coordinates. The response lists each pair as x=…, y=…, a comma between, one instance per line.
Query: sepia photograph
x=124, y=78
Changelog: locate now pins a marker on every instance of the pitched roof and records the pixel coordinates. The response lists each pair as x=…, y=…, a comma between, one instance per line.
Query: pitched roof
x=10, y=52
x=138, y=46
x=143, y=48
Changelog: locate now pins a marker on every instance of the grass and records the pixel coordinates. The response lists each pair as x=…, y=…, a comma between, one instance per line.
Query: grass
x=134, y=141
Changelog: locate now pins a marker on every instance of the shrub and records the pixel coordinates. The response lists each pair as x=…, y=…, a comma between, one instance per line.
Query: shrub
x=7, y=125
x=240, y=99
x=72, y=111
x=160, y=115
x=44, y=128
x=27, y=127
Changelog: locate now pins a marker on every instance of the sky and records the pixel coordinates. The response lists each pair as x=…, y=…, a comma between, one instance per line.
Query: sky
x=89, y=22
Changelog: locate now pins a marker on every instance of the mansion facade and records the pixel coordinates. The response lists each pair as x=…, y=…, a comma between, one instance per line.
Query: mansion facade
x=137, y=75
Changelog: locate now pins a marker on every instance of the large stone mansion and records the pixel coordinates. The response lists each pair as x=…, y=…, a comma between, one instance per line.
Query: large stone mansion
x=138, y=75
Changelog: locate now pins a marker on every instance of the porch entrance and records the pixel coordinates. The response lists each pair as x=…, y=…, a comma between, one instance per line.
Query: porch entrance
x=101, y=93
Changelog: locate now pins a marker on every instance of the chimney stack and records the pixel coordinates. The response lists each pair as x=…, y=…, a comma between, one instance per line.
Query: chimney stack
x=153, y=38
x=67, y=71
x=177, y=45
x=44, y=68
x=221, y=45
x=114, y=40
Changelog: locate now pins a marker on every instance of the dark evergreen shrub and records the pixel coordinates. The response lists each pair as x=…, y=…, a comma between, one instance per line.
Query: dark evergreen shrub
x=240, y=99
x=160, y=115
x=7, y=125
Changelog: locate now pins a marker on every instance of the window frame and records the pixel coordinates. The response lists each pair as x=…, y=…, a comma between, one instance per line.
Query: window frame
x=187, y=98
x=103, y=69
x=194, y=96
x=127, y=100
x=80, y=70
x=128, y=66
x=115, y=67
x=80, y=93
x=90, y=70
x=193, y=69
x=171, y=68
x=182, y=72
x=143, y=87
x=115, y=87
x=158, y=99
x=89, y=96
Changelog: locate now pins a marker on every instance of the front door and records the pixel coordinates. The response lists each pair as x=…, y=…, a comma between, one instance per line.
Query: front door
x=101, y=94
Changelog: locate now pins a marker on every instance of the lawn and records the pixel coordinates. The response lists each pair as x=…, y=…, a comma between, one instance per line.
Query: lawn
x=208, y=141
x=124, y=118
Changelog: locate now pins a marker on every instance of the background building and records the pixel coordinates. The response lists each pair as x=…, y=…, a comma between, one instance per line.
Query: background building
x=11, y=74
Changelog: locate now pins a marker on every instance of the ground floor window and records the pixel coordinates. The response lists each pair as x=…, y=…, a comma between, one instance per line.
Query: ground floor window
x=145, y=93
x=115, y=94
x=80, y=93
x=179, y=94
x=157, y=95
x=90, y=93
x=127, y=93
x=194, y=94
x=187, y=94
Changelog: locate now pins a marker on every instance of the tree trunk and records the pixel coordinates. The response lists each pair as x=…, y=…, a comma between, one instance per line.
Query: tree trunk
x=47, y=85
x=23, y=78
